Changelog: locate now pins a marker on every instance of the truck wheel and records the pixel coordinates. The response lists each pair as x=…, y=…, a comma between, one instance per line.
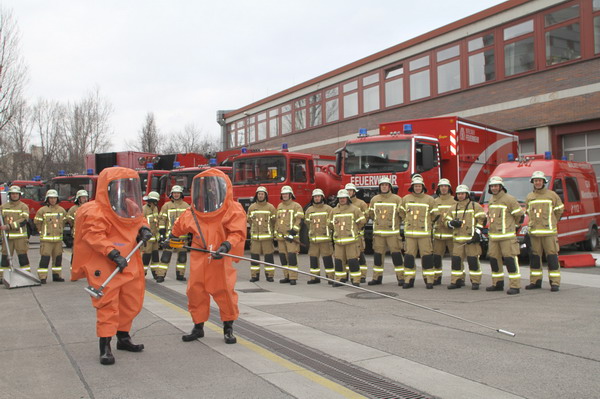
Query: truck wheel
x=592, y=242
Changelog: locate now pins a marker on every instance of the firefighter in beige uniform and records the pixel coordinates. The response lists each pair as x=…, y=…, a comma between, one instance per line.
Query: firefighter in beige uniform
x=346, y=222
x=287, y=227
x=544, y=208
x=364, y=208
x=504, y=215
x=419, y=212
x=169, y=213
x=442, y=234
x=384, y=210
x=261, y=217
x=15, y=214
x=319, y=236
x=49, y=221
x=465, y=219
x=150, y=257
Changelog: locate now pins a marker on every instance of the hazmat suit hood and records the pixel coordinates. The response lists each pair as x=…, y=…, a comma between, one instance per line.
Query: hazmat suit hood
x=119, y=195
x=212, y=194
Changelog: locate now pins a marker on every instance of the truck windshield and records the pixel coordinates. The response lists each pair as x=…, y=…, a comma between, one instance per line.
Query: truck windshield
x=184, y=179
x=32, y=192
x=67, y=188
x=259, y=170
x=518, y=187
x=377, y=157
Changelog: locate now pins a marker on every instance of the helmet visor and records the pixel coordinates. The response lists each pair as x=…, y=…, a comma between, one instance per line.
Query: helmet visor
x=208, y=193
x=125, y=197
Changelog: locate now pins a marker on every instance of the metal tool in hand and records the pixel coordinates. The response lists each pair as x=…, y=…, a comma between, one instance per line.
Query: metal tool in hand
x=502, y=331
x=97, y=292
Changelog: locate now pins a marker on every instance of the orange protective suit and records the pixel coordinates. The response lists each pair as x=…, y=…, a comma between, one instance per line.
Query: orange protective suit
x=99, y=231
x=210, y=276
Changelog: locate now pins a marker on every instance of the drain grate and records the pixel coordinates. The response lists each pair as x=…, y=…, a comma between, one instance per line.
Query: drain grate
x=347, y=374
x=369, y=295
x=251, y=290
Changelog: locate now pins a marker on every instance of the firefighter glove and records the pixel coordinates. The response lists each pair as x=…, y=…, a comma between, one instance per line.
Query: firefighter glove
x=116, y=257
x=292, y=232
x=144, y=234
x=223, y=249
x=455, y=223
x=476, y=237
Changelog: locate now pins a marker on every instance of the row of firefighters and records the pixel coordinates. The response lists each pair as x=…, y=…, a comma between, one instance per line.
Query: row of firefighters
x=449, y=222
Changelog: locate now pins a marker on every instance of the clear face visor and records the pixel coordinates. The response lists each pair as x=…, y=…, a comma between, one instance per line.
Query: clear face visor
x=125, y=197
x=208, y=193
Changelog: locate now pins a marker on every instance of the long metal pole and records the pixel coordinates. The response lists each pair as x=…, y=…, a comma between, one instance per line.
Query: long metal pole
x=502, y=331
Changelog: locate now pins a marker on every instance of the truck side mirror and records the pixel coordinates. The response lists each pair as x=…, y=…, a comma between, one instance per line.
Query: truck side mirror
x=338, y=162
x=428, y=157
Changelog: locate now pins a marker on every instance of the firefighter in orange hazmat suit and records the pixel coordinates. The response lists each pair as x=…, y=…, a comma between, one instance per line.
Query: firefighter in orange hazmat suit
x=217, y=223
x=106, y=233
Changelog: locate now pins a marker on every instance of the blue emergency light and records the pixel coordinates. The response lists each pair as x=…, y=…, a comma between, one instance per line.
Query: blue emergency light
x=90, y=171
x=244, y=150
x=61, y=172
x=284, y=147
x=511, y=157
x=564, y=158
x=149, y=166
x=547, y=155
x=176, y=164
x=407, y=128
x=37, y=178
x=212, y=162
x=362, y=132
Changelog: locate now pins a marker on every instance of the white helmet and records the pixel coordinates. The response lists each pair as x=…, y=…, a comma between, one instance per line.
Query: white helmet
x=463, y=188
x=261, y=189
x=177, y=189
x=288, y=190
x=351, y=186
x=444, y=182
x=15, y=189
x=496, y=180
x=152, y=196
x=343, y=193
x=539, y=175
x=385, y=179
x=51, y=193
x=318, y=191
x=81, y=193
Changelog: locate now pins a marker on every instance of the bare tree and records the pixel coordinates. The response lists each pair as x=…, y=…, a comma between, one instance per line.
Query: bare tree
x=13, y=72
x=191, y=139
x=48, y=121
x=18, y=138
x=87, y=130
x=149, y=138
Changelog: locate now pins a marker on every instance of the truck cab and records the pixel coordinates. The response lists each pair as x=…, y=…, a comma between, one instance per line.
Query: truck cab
x=33, y=196
x=68, y=185
x=184, y=177
x=576, y=185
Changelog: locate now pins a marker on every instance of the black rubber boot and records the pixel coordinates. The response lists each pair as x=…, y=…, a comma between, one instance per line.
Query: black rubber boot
x=160, y=279
x=534, y=286
x=106, y=356
x=409, y=284
x=197, y=332
x=498, y=287
x=292, y=282
x=228, y=332
x=314, y=280
x=513, y=291
x=56, y=277
x=474, y=286
x=254, y=279
x=124, y=343
x=555, y=288
x=456, y=285
x=376, y=281
x=284, y=280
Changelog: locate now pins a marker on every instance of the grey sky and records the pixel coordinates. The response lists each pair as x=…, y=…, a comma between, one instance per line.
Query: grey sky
x=184, y=60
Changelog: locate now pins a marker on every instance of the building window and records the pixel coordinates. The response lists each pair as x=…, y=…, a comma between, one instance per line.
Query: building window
x=482, y=63
x=527, y=147
x=371, y=92
x=241, y=137
x=419, y=78
x=519, y=57
x=300, y=123
x=561, y=15
x=596, y=11
x=394, y=86
x=314, y=111
x=251, y=134
x=273, y=127
x=332, y=110
x=583, y=147
x=518, y=30
x=350, y=99
x=563, y=42
x=286, y=119
x=261, y=131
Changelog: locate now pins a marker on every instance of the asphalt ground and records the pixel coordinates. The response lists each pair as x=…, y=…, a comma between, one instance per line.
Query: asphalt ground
x=49, y=347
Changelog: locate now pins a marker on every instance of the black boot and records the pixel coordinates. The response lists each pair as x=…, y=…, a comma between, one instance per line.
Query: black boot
x=270, y=279
x=292, y=282
x=438, y=281
x=124, y=343
x=376, y=281
x=181, y=277
x=555, y=288
x=499, y=286
x=254, y=279
x=228, y=332
x=429, y=286
x=314, y=281
x=106, y=356
x=400, y=282
x=456, y=285
x=337, y=284
x=197, y=332
x=160, y=279
x=474, y=286
x=284, y=280
x=56, y=277
x=513, y=291
x=534, y=286
x=409, y=284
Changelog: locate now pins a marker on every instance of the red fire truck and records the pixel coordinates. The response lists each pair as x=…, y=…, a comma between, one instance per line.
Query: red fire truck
x=33, y=196
x=574, y=182
x=462, y=151
x=184, y=176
